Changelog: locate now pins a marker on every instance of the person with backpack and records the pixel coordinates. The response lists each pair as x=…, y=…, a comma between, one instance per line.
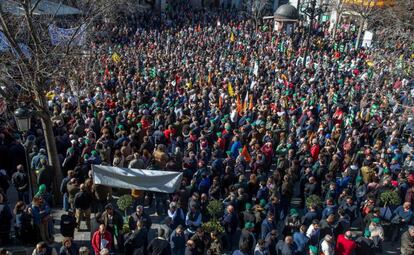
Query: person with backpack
x=68, y=223
x=22, y=223
x=20, y=181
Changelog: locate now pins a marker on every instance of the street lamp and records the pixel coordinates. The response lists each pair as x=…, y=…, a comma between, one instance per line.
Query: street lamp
x=22, y=116
x=310, y=9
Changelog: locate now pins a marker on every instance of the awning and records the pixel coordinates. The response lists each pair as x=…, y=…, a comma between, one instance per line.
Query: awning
x=45, y=7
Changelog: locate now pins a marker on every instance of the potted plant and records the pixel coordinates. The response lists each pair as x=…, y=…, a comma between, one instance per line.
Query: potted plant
x=214, y=209
x=390, y=198
x=314, y=201
x=124, y=202
x=389, y=201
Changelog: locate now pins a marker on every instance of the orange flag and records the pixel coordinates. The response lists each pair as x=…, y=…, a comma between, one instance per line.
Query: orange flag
x=245, y=154
x=244, y=60
x=220, y=102
x=251, y=102
x=246, y=99
x=239, y=106
x=209, y=78
x=199, y=28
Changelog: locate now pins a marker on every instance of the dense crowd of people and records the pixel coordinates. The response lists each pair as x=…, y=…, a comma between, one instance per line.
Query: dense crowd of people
x=249, y=122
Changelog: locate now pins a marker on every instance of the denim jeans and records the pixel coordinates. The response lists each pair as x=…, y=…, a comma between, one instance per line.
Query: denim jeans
x=66, y=202
x=23, y=196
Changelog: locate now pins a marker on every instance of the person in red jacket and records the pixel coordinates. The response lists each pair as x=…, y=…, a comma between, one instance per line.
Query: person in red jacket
x=315, y=149
x=344, y=244
x=101, y=239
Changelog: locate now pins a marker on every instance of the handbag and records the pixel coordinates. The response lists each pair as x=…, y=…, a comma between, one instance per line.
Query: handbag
x=396, y=220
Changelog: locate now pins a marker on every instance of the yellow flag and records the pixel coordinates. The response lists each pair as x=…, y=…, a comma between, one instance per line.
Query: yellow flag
x=232, y=39
x=50, y=95
x=230, y=89
x=189, y=85
x=116, y=58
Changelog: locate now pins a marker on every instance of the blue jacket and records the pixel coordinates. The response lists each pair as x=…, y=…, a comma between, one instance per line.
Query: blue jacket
x=262, y=193
x=407, y=216
x=177, y=243
x=301, y=241
x=266, y=228
x=328, y=210
x=230, y=223
x=235, y=149
x=39, y=212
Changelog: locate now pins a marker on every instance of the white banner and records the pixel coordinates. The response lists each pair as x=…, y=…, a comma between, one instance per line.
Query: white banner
x=74, y=36
x=5, y=46
x=139, y=179
x=4, y=43
x=367, y=40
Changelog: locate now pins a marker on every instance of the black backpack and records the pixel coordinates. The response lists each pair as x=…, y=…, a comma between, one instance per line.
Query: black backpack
x=4, y=182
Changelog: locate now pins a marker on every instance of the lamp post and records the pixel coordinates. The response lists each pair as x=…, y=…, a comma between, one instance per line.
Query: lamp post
x=311, y=10
x=22, y=116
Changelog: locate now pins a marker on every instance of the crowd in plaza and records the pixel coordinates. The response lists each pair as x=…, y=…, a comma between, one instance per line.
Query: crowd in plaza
x=247, y=120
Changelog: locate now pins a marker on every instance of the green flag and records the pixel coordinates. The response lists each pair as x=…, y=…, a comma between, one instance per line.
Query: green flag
x=153, y=72
x=374, y=109
x=335, y=99
x=349, y=120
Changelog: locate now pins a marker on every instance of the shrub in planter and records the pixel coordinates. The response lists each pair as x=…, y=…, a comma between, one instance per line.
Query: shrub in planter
x=124, y=202
x=390, y=198
x=314, y=200
x=213, y=225
x=215, y=210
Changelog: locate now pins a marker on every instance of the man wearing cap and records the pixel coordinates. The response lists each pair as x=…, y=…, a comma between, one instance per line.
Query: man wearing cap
x=247, y=238
x=36, y=160
x=365, y=245
x=377, y=233
x=247, y=215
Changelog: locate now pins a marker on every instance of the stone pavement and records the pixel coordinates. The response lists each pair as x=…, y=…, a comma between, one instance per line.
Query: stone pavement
x=82, y=238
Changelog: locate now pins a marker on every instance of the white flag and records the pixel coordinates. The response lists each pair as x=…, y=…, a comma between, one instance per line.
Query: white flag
x=256, y=69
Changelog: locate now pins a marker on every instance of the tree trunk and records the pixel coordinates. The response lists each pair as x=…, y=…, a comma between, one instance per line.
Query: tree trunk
x=52, y=155
x=361, y=27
